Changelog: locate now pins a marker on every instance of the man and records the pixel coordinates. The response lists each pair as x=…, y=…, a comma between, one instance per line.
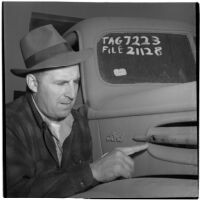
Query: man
x=48, y=144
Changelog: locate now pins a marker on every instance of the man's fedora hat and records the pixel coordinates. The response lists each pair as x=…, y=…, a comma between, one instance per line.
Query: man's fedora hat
x=44, y=48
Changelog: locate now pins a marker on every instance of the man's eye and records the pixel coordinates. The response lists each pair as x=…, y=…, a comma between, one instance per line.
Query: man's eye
x=60, y=83
x=77, y=81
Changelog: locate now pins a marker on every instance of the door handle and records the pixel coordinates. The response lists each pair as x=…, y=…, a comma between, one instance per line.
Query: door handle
x=172, y=144
x=184, y=137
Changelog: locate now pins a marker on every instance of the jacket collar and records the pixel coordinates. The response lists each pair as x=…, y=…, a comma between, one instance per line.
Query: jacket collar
x=43, y=126
x=36, y=114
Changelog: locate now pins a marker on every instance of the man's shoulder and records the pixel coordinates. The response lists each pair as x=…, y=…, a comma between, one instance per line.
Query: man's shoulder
x=81, y=112
x=16, y=110
x=80, y=115
x=16, y=106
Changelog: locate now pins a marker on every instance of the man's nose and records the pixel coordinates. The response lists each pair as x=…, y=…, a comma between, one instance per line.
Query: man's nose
x=71, y=90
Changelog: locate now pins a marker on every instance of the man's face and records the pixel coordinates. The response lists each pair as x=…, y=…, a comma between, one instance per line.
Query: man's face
x=57, y=91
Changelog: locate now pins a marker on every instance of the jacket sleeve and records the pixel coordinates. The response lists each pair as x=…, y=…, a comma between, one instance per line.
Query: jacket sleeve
x=24, y=180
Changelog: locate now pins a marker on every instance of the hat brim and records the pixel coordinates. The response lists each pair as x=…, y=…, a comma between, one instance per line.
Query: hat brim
x=58, y=61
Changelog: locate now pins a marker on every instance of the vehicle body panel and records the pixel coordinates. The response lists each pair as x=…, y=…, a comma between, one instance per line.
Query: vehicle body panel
x=120, y=113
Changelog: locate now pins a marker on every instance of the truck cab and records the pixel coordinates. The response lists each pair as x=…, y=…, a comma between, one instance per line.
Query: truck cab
x=140, y=86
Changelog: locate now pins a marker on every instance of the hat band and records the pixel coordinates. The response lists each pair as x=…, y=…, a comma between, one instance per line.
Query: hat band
x=46, y=54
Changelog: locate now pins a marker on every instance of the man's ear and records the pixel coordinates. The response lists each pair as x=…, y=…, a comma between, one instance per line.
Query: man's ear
x=32, y=82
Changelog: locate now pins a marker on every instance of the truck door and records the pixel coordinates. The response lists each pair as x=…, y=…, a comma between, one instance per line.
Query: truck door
x=140, y=86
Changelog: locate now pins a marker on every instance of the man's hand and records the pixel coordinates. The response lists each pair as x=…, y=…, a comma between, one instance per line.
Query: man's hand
x=116, y=164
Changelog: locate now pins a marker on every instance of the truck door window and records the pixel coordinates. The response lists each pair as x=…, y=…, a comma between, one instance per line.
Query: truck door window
x=145, y=57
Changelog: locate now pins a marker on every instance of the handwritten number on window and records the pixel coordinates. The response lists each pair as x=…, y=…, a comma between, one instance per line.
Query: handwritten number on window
x=135, y=40
x=130, y=51
x=156, y=40
x=145, y=40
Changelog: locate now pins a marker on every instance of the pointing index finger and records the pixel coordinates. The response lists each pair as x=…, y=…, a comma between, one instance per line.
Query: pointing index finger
x=133, y=149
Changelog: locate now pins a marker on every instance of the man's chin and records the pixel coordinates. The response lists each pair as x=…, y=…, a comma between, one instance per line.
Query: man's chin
x=60, y=116
x=64, y=115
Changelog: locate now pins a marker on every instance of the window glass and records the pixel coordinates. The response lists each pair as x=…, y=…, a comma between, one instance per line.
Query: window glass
x=145, y=57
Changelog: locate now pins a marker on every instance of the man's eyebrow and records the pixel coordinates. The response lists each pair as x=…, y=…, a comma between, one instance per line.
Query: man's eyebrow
x=66, y=81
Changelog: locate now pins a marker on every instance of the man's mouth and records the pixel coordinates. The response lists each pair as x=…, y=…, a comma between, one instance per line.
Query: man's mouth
x=66, y=103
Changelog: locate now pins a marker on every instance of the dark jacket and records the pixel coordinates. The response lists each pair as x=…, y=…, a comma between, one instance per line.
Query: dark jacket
x=31, y=164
